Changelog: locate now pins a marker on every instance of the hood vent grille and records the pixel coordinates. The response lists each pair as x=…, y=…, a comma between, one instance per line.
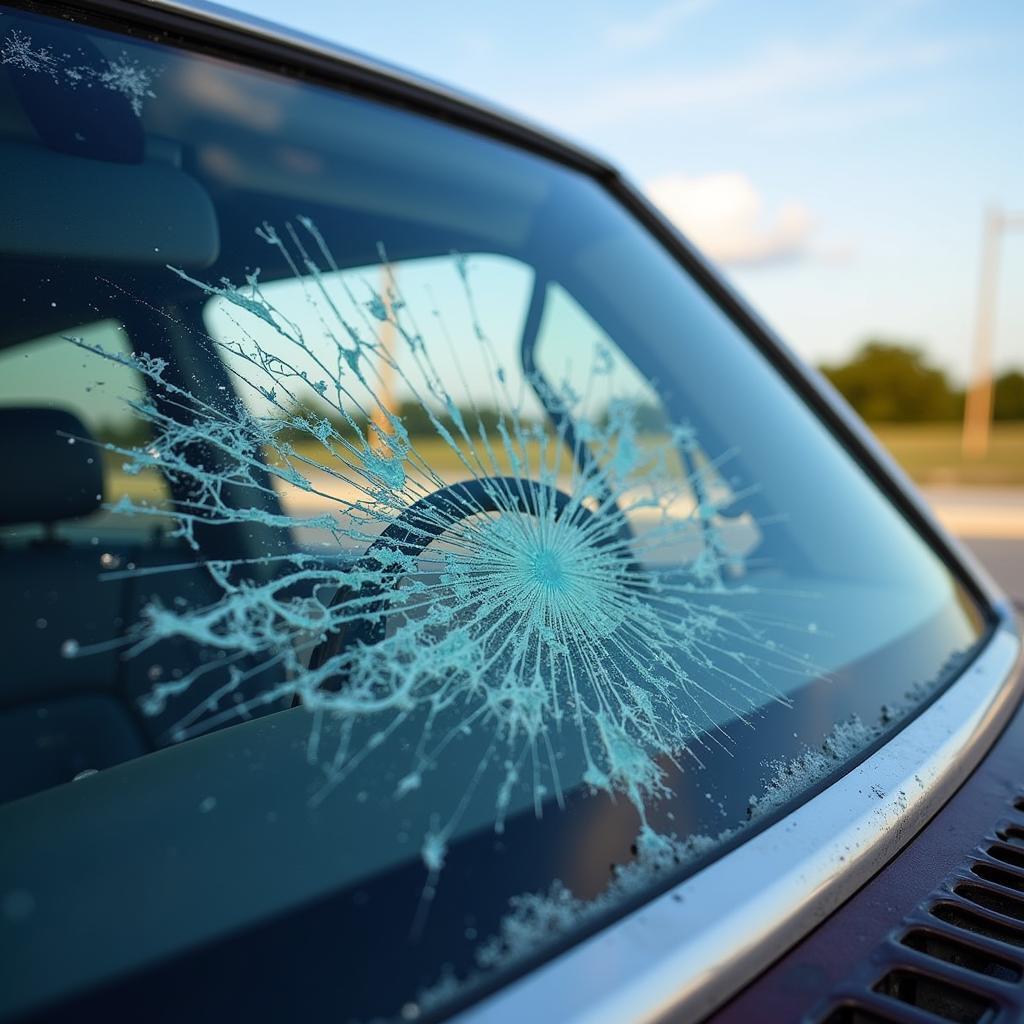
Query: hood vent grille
x=960, y=955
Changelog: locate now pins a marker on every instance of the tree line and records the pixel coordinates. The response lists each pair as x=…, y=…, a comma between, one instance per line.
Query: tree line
x=889, y=382
x=886, y=382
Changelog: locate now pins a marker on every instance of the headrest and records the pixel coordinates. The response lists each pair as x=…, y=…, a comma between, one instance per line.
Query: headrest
x=50, y=470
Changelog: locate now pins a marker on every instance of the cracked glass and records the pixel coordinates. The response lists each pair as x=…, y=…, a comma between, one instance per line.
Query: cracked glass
x=408, y=563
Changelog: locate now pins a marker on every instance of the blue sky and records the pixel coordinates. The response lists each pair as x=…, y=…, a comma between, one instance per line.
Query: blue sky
x=835, y=158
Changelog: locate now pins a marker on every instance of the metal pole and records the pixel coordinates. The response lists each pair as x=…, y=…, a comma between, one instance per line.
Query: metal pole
x=978, y=405
x=385, y=369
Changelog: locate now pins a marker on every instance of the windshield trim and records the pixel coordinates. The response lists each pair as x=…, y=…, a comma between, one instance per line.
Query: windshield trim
x=687, y=951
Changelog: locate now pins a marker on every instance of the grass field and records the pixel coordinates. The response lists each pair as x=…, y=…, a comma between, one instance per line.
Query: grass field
x=930, y=453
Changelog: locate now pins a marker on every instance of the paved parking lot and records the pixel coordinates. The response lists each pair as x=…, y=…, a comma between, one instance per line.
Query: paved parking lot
x=991, y=523
x=1005, y=560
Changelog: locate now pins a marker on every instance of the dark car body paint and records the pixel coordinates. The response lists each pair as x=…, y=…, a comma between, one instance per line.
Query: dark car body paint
x=847, y=954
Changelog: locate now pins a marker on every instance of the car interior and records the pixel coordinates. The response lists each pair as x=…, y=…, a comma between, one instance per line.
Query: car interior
x=106, y=192
x=96, y=206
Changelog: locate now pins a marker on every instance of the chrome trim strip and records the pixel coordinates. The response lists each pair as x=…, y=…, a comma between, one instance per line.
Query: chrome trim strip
x=687, y=951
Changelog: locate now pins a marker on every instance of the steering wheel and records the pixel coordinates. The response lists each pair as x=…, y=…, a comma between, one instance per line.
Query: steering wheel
x=414, y=530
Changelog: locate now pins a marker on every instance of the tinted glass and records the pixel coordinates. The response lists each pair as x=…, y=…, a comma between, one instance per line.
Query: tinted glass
x=411, y=566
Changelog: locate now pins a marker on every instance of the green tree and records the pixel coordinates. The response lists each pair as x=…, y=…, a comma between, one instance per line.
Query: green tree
x=893, y=383
x=1008, y=403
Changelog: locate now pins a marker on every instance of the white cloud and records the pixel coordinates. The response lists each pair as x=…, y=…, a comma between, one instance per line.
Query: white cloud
x=724, y=215
x=656, y=25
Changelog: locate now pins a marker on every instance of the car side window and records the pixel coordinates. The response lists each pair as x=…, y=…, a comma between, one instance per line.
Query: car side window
x=94, y=393
x=435, y=293
x=564, y=357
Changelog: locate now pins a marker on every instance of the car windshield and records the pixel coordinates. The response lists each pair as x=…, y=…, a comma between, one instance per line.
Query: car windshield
x=407, y=566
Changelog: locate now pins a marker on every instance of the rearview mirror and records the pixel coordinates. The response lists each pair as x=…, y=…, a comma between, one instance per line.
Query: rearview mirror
x=71, y=207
